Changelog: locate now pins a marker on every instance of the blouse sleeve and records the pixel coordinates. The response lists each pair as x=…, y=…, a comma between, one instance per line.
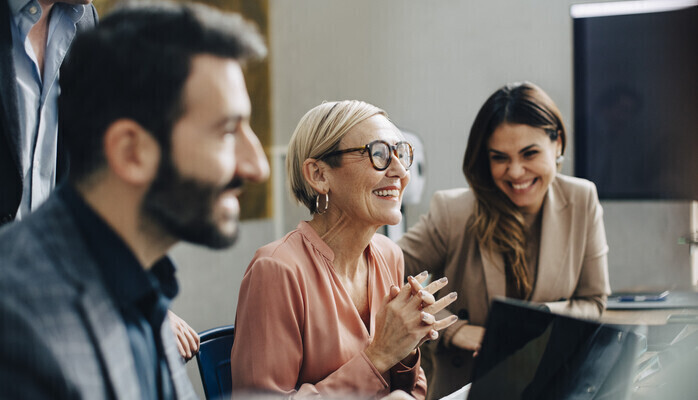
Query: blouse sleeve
x=589, y=298
x=267, y=351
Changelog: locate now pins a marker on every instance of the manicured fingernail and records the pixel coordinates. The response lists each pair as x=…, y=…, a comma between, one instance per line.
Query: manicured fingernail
x=454, y=318
x=425, y=317
x=423, y=273
x=434, y=335
x=453, y=295
x=443, y=280
x=422, y=294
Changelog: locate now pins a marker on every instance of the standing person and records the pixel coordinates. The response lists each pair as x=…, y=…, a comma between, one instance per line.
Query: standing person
x=521, y=230
x=323, y=311
x=34, y=38
x=155, y=114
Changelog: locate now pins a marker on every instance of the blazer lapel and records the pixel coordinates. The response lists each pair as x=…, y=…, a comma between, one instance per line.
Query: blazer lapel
x=555, y=233
x=110, y=335
x=103, y=319
x=493, y=271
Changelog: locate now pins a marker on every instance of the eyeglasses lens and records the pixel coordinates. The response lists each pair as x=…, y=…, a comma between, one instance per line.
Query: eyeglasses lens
x=404, y=154
x=381, y=154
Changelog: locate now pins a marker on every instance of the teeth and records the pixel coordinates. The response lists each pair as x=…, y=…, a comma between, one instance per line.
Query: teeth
x=387, y=193
x=521, y=186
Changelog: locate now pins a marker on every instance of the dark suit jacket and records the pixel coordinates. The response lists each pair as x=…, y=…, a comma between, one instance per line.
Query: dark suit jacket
x=63, y=336
x=11, y=180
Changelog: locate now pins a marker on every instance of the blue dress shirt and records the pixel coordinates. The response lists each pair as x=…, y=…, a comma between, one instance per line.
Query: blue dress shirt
x=37, y=95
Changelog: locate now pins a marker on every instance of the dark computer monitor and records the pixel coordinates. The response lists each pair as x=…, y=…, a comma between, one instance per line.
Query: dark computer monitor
x=636, y=98
x=530, y=353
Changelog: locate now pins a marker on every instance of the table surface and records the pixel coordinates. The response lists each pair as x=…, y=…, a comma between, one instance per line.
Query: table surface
x=644, y=317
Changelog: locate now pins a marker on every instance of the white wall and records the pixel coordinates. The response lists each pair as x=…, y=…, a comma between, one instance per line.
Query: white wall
x=429, y=64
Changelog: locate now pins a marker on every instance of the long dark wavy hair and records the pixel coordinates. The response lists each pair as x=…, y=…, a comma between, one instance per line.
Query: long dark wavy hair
x=498, y=223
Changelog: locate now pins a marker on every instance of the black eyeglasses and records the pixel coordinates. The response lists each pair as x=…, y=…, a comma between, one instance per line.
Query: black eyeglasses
x=380, y=153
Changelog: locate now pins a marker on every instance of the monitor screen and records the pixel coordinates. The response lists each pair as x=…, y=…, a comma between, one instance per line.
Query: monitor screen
x=636, y=98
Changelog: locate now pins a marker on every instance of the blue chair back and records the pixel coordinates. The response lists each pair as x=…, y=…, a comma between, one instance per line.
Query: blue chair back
x=214, y=361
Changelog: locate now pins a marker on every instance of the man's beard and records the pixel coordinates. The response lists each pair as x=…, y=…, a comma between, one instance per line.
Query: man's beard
x=183, y=207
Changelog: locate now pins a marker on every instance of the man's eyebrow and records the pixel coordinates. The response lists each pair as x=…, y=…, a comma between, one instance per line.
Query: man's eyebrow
x=231, y=120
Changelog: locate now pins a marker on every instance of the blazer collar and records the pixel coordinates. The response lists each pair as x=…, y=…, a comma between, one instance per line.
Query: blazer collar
x=554, y=241
x=493, y=269
x=555, y=231
x=102, y=317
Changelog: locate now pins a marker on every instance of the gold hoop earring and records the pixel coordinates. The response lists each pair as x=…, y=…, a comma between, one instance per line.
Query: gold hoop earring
x=317, y=204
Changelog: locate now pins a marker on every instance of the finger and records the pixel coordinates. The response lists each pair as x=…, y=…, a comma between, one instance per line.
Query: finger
x=414, y=283
x=428, y=319
x=422, y=277
x=433, y=334
x=182, y=352
x=441, y=303
x=184, y=339
x=437, y=285
x=185, y=346
x=421, y=299
x=197, y=340
x=405, y=293
x=394, y=291
x=426, y=297
x=444, y=323
x=191, y=339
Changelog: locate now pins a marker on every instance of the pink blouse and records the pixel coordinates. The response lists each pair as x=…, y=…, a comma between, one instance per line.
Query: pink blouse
x=297, y=331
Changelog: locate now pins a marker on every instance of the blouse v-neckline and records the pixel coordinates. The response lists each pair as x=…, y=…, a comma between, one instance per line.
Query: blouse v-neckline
x=326, y=251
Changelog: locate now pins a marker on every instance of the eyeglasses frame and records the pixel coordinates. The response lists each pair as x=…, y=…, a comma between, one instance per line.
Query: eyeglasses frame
x=367, y=147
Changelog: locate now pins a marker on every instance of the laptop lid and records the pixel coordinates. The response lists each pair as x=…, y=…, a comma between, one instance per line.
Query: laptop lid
x=530, y=353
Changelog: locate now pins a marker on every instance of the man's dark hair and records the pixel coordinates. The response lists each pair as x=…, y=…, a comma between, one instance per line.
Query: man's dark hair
x=134, y=65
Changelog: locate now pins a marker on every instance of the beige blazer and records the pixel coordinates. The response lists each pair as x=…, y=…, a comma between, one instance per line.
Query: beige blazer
x=572, y=274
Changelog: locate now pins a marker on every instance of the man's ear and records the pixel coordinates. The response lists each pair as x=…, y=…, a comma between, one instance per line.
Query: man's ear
x=132, y=154
x=316, y=174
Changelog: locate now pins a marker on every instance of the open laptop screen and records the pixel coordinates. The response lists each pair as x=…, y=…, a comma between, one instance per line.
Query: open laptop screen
x=530, y=353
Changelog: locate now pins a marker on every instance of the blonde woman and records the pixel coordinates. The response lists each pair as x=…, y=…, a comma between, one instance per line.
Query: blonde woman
x=323, y=311
x=521, y=230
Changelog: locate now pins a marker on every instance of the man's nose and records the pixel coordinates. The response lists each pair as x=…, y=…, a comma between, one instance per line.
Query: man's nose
x=252, y=163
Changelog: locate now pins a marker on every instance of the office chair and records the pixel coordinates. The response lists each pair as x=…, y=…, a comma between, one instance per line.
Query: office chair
x=213, y=359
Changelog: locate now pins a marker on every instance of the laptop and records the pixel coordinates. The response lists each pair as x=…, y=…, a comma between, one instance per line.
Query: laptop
x=529, y=353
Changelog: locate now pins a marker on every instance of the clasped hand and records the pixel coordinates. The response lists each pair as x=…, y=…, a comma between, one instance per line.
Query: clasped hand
x=406, y=320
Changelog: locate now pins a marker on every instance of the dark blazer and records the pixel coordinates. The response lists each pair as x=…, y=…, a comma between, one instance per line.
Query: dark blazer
x=11, y=180
x=63, y=336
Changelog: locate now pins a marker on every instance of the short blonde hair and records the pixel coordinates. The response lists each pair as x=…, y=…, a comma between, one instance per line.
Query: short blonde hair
x=318, y=133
